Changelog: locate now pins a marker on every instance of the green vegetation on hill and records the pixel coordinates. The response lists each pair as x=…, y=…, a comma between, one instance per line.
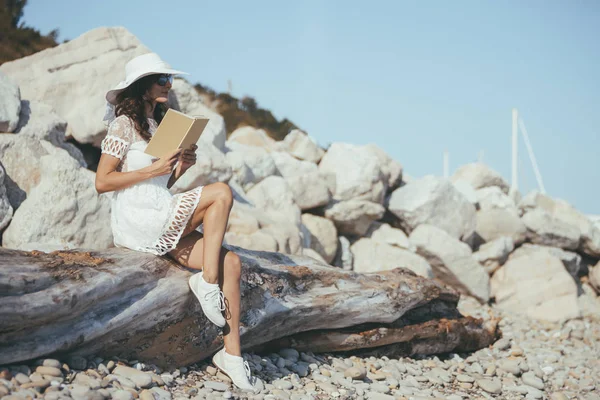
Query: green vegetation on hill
x=18, y=40
x=245, y=112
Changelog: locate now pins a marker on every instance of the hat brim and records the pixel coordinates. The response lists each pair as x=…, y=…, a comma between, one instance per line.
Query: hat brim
x=111, y=95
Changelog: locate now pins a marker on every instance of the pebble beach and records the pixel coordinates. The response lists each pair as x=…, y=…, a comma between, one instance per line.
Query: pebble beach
x=532, y=360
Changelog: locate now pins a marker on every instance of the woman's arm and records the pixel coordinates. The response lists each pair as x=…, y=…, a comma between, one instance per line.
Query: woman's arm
x=108, y=179
x=186, y=160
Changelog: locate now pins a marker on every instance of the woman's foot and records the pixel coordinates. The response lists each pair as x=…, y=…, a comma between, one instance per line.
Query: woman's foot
x=210, y=297
x=237, y=369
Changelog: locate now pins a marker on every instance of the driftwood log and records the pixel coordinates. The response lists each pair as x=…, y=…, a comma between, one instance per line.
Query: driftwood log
x=139, y=306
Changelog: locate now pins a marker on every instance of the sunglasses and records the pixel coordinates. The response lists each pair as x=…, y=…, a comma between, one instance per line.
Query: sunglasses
x=163, y=79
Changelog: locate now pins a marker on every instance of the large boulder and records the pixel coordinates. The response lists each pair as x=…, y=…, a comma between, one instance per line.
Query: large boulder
x=555, y=222
x=40, y=121
x=309, y=188
x=301, y=146
x=390, y=168
x=74, y=76
x=249, y=164
x=497, y=217
x=545, y=229
x=251, y=136
x=479, y=176
x=263, y=230
x=357, y=171
x=63, y=211
x=384, y=233
x=185, y=98
x=373, y=256
x=571, y=261
x=21, y=157
x=10, y=104
x=434, y=201
x=452, y=261
x=495, y=253
x=536, y=283
x=273, y=195
x=6, y=210
x=211, y=166
x=323, y=236
x=354, y=217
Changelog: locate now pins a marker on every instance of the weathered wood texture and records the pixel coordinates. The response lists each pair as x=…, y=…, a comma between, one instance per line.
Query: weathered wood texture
x=136, y=305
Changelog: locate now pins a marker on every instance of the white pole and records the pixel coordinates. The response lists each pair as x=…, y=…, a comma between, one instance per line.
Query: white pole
x=514, y=184
x=446, y=164
x=536, y=170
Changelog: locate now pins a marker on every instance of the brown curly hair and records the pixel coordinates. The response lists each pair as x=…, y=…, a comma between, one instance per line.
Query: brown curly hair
x=131, y=102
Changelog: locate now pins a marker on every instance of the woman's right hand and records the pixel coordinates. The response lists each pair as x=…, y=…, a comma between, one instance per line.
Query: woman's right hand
x=165, y=165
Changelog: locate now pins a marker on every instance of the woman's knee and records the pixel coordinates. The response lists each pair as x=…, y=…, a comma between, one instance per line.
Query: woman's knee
x=223, y=193
x=233, y=265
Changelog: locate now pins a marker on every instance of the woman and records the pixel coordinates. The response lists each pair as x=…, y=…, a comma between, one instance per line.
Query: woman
x=147, y=217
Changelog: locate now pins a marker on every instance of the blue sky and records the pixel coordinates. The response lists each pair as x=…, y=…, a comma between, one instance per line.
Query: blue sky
x=416, y=78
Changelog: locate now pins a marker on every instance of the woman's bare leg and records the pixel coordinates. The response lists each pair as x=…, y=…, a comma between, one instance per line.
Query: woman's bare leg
x=189, y=252
x=213, y=209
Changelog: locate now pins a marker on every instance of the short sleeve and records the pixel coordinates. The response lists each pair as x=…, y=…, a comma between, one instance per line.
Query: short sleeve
x=118, y=138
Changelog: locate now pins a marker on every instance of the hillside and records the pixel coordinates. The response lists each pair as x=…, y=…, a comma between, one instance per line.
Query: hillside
x=18, y=40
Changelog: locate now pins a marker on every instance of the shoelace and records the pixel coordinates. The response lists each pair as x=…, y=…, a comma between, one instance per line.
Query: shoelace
x=217, y=297
x=247, y=368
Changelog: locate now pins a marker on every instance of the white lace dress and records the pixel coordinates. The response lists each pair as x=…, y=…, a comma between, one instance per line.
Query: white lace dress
x=146, y=216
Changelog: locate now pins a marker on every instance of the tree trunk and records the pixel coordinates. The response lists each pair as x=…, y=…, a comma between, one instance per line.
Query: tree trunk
x=139, y=306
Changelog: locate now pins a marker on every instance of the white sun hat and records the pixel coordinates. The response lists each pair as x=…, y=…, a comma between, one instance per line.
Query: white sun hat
x=139, y=67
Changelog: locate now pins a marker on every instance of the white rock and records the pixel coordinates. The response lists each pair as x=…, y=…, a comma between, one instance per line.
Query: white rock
x=495, y=253
x=384, y=233
x=571, y=260
x=391, y=169
x=479, y=176
x=494, y=223
x=323, y=236
x=258, y=240
x=357, y=171
x=561, y=215
x=184, y=97
x=242, y=220
x=536, y=284
x=436, y=202
x=10, y=104
x=544, y=229
x=63, y=210
x=313, y=254
x=251, y=136
x=40, y=121
x=466, y=190
x=299, y=145
x=74, y=76
x=354, y=216
x=344, y=257
x=451, y=260
x=250, y=164
x=211, y=166
x=273, y=195
x=309, y=188
x=6, y=210
x=21, y=156
x=374, y=256
x=493, y=197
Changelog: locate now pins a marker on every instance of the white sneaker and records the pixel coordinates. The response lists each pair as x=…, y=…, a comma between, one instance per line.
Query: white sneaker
x=211, y=298
x=237, y=369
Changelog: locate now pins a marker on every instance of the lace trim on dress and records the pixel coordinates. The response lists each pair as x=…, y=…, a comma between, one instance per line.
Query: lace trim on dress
x=185, y=204
x=114, y=146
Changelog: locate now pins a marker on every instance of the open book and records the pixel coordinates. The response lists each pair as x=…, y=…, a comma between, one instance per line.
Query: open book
x=175, y=130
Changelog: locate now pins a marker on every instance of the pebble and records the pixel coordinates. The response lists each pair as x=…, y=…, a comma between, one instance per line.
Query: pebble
x=530, y=379
x=493, y=386
x=218, y=386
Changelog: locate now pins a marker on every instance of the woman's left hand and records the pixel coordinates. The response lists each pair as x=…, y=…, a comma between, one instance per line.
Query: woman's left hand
x=187, y=159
